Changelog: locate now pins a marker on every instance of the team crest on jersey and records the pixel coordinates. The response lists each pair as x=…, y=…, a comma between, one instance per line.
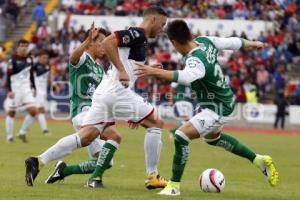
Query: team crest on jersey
x=126, y=39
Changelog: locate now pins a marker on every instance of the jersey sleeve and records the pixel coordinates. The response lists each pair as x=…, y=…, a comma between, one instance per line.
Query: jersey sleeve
x=231, y=43
x=130, y=37
x=194, y=69
x=80, y=62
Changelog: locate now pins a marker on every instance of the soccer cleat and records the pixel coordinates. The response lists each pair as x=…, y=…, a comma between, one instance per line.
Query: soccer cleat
x=46, y=132
x=95, y=183
x=10, y=140
x=23, y=138
x=32, y=170
x=155, y=181
x=267, y=167
x=57, y=173
x=172, y=189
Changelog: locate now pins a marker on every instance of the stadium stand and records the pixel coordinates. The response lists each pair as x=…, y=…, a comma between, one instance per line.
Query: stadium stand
x=266, y=72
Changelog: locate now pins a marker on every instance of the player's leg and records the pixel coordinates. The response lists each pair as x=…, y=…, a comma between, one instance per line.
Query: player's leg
x=42, y=119
x=213, y=136
x=152, y=149
x=10, y=107
x=9, y=124
x=28, y=120
x=29, y=101
x=182, y=138
x=63, y=147
x=149, y=119
x=105, y=156
x=62, y=170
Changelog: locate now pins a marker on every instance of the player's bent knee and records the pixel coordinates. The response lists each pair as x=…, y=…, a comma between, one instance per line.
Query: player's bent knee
x=114, y=136
x=212, y=138
x=11, y=113
x=32, y=111
x=87, y=135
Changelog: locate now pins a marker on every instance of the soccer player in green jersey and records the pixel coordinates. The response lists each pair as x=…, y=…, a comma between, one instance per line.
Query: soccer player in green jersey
x=85, y=76
x=203, y=73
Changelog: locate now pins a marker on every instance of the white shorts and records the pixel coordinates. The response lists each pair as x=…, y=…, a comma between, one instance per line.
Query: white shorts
x=95, y=147
x=184, y=109
x=22, y=98
x=207, y=122
x=41, y=100
x=112, y=102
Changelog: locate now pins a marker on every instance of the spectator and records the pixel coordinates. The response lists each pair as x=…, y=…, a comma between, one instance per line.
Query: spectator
x=44, y=31
x=13, y=10
x=281, y=104
x=39, y=14
x=279, y=78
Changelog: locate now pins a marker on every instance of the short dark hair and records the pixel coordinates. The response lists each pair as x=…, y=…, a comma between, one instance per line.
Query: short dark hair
x=179, y=31
x=22, y=41
x=43, y=52
x=155, y=10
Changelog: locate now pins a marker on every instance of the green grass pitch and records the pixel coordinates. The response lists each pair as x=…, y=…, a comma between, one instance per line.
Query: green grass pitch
x=126, y=179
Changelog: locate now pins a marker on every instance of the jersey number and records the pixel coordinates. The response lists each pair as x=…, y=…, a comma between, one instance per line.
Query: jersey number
x=220, y=77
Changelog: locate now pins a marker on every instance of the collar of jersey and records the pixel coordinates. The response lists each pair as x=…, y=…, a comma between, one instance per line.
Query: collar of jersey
x=90, y=56
x=191, y=51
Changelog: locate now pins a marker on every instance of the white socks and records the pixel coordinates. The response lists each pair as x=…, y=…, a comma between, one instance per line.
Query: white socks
x=9, y=124
x=26, y=123
x=152, y=147
x=42, y=121
x=63, y=147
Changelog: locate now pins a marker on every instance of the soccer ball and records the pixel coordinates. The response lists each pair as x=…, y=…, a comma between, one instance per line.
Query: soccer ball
x=212, y=180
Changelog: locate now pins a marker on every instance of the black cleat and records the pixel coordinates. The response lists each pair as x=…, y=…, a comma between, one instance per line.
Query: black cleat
x=95, y=183
x=10, y=140
x=23, y=138
x=57, y=173
x=32, y=170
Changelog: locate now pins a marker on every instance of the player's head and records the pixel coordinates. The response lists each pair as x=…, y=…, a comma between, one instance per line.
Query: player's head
x=22, y=48
x=179, y=34
x=156, y=18
x=96, y=46
x=43, y=57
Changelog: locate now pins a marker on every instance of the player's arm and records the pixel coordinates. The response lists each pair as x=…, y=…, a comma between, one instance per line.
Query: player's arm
x=235, y=43
x=32, y=81
x=77, y=53
x=123, y=38
x=9, y=72
x=194, y=69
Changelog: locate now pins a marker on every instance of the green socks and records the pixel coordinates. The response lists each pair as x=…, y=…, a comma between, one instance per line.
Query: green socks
x=233, y=145
x=181, y=155
x=86, y=167
x=106, y=154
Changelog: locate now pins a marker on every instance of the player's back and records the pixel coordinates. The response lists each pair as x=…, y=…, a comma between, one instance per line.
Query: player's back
x=212, y=90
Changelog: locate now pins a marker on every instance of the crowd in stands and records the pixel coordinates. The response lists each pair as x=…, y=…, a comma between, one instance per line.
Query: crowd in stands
x=254, y=75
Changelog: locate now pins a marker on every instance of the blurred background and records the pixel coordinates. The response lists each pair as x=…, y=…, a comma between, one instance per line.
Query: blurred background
x=261, y=80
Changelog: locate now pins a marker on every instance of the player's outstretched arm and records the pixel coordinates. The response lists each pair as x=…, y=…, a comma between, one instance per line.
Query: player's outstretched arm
x=235, y=43
x=77, y=53
x=194, y=69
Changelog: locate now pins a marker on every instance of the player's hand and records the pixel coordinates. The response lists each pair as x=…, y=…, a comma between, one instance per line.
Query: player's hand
x=146, y=70
x=133, y=125
x=93, y=32
x=260, y=45
x=11, y=95
x=124, y=79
